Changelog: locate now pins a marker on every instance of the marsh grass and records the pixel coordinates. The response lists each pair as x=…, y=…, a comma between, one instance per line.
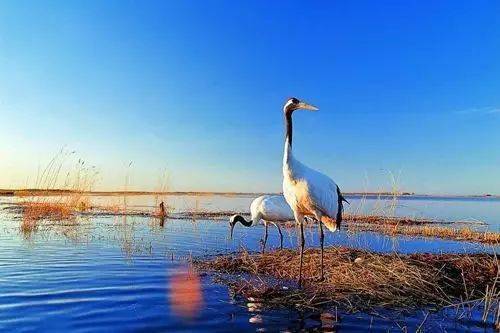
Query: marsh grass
x=73, y=182
x=460, y=234
x=383, y=218
x=363, y=281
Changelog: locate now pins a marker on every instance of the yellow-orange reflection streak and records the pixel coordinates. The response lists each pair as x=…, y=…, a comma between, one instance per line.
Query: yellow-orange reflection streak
x=186, y=297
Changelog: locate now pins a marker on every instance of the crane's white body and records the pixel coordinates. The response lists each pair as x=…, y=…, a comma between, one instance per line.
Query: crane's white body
x=309, y=192
x=272, y=208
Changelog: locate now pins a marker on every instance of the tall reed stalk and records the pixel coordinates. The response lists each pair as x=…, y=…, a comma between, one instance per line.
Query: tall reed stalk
x=71, y=177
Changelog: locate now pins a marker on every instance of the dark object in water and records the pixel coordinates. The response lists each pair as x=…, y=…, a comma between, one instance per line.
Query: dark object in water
x=162, y=214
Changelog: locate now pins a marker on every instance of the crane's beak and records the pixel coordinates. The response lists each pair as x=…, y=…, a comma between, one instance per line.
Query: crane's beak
x=305, y=106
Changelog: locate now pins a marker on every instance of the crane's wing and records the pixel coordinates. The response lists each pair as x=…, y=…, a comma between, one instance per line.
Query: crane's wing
x=325, y=195
x=275, y=208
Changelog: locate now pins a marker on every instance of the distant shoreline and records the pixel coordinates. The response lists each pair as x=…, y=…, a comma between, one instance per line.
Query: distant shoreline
x=54, y=192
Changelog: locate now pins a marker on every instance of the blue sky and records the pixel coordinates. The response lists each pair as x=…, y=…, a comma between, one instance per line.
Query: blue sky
x=197, y=88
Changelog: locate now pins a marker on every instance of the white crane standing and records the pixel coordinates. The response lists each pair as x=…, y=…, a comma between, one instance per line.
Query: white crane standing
x=307, y=191
x=269, y=209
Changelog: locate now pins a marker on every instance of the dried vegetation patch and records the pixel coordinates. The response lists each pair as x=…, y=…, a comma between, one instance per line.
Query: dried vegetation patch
x=361, y=280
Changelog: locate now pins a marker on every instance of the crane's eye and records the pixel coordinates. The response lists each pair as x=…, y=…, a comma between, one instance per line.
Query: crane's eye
x=295, y=101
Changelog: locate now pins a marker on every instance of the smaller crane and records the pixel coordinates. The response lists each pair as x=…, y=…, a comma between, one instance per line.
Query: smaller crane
x=269, y=209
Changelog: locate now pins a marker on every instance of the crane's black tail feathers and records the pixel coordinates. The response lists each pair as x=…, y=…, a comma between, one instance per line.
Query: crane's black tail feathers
x=340, y=209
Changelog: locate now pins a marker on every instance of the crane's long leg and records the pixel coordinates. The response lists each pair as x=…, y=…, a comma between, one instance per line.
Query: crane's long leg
x=281, y=234
x=302, y=244
x=300, y=220
x=265, y=239
x=318, y=216
x=321, y=240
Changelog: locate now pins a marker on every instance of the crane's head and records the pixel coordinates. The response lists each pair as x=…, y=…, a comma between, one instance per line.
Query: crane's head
x=293, y=104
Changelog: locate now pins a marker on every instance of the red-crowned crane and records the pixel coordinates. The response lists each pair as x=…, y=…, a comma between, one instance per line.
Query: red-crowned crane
x=307, y=191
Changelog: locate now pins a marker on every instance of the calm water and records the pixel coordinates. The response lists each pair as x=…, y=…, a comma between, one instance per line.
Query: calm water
x=112, y=273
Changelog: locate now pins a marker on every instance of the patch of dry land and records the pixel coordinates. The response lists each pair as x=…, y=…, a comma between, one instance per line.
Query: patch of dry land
x=360, y=280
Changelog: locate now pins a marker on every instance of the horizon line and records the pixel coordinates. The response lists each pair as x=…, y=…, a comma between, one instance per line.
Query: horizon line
x=56, y=191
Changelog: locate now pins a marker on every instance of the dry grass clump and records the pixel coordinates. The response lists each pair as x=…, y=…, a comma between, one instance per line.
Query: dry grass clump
x=385, y=220
x=466, y=234
x=73, y=186
x=35, y=211
x=460, y=234
x=360, y=280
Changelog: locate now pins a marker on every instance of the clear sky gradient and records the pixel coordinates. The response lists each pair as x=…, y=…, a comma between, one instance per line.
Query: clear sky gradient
x=197, y=88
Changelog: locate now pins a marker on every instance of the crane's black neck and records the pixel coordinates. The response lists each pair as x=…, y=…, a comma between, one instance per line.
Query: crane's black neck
x=289, y=127
x=241, y=219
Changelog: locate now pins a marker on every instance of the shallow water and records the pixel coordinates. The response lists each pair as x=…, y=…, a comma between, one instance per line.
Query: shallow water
x=468, y=209
x=116, y=273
